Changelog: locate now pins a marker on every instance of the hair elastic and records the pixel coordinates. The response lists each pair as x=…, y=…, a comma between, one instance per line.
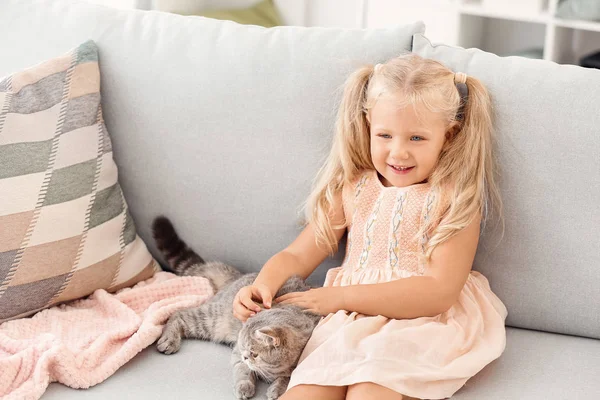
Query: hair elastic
x=460, y=80
x=460, y=77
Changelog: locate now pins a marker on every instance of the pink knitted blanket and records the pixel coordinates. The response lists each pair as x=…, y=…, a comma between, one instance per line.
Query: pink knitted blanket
x=82, y=343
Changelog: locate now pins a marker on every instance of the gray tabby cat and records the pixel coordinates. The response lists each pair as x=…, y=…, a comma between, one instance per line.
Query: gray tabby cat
x=268, y=345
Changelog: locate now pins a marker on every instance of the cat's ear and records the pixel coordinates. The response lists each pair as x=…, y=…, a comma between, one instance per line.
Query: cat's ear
x=268, y=335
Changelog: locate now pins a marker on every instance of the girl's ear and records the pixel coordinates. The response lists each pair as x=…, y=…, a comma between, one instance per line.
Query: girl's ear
x=452, y=131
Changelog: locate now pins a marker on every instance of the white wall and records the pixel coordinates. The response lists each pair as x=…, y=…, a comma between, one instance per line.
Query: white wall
x=124, y=4
x=444, y=24
x=440, y=20
x=334, y=13
x=438, y=15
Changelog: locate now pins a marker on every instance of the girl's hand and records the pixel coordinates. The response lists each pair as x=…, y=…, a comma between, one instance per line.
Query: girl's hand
x=319, y=301
x=243, y=302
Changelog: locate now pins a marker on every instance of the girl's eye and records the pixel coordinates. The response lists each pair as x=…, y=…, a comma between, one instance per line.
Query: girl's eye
x=384, y=135
x=253, y=354
x=416, y=138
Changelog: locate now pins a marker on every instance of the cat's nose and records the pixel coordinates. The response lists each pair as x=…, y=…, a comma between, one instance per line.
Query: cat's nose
x=245, y=355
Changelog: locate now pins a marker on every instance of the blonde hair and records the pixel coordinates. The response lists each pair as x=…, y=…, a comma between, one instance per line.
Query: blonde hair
x=465, y=172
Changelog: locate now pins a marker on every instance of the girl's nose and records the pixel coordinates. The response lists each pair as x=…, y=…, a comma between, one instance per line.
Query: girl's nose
x=399, y=154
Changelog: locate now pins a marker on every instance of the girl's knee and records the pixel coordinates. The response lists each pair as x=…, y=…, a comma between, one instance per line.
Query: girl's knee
x=316, y=392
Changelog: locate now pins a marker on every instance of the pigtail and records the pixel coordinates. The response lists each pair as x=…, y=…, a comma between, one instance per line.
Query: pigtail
x=478, y=129
x=352, y=127
x=465, y=174
x=350, y=152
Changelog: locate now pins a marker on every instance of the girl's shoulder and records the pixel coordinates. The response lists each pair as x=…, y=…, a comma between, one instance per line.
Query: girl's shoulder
x=357, y=182
x=350, y=189
x=443, y=196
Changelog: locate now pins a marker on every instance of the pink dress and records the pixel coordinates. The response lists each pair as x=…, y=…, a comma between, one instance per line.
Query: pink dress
x=426, y=357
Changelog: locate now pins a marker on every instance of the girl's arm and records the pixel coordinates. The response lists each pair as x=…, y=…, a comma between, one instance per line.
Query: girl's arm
x=302, y=256
x=421, y=296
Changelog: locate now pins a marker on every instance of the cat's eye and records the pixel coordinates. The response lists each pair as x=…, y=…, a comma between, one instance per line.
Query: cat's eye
x=253, y=354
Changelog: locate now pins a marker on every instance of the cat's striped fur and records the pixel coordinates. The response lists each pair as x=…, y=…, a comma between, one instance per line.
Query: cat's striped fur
x=184, y=261
x=268, y=345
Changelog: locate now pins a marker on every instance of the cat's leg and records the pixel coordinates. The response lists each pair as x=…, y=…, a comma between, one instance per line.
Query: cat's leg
x=244, y=380
x=278, y=388
x=189, y=323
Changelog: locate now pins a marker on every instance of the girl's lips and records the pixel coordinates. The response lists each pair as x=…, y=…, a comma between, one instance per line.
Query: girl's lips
x=400, y=172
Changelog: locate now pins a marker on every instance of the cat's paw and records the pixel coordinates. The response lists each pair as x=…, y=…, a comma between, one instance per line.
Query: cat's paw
x=273, y=393
x=245, y=389
x=168, y=344
x=277, y=388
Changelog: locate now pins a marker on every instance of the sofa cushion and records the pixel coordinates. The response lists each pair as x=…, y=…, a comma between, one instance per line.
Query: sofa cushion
x=65, y=230
x=220, y=126
x=545, y=269
x=535, y=365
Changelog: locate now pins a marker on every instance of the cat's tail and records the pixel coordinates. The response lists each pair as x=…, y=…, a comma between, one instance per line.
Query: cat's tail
x=183, y=260
x=177, y=254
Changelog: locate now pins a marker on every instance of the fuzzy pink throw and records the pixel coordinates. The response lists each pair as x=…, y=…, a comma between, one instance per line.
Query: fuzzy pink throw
x=83, y=342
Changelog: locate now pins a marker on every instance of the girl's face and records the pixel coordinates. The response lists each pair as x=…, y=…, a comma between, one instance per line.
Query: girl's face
x=404, y=147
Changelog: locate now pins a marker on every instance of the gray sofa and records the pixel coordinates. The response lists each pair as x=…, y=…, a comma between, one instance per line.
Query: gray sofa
x=222, y=127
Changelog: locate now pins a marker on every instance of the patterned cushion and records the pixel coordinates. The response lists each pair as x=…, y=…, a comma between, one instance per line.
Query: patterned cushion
x=65, y=229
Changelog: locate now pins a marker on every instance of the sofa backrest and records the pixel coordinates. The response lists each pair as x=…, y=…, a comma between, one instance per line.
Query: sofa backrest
x=546, y=269
x=219, y=126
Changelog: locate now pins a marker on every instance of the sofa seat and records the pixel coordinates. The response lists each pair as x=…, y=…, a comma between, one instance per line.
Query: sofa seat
x=535, y=366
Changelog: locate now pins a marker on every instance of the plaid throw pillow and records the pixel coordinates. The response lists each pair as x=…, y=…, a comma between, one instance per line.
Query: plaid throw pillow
x=65, y=229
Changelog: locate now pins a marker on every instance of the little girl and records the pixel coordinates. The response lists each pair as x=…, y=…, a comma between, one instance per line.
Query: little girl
x=410, y=177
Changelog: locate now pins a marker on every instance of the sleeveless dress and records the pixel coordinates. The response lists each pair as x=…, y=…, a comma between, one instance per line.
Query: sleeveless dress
x=426, y=357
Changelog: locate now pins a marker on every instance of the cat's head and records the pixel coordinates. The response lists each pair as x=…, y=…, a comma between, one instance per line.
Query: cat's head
x=270, y=346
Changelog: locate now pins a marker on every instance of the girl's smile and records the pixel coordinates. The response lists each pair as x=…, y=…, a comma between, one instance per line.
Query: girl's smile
x=400, y=170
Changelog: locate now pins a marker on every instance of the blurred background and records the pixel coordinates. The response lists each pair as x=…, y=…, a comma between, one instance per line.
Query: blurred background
x=564, y=31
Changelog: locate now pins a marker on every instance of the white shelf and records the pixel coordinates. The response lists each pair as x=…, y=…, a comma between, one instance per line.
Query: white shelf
x=481, y=11
x=590, y=26
x=539, y=18
x=489, y=28
x=503, y=27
